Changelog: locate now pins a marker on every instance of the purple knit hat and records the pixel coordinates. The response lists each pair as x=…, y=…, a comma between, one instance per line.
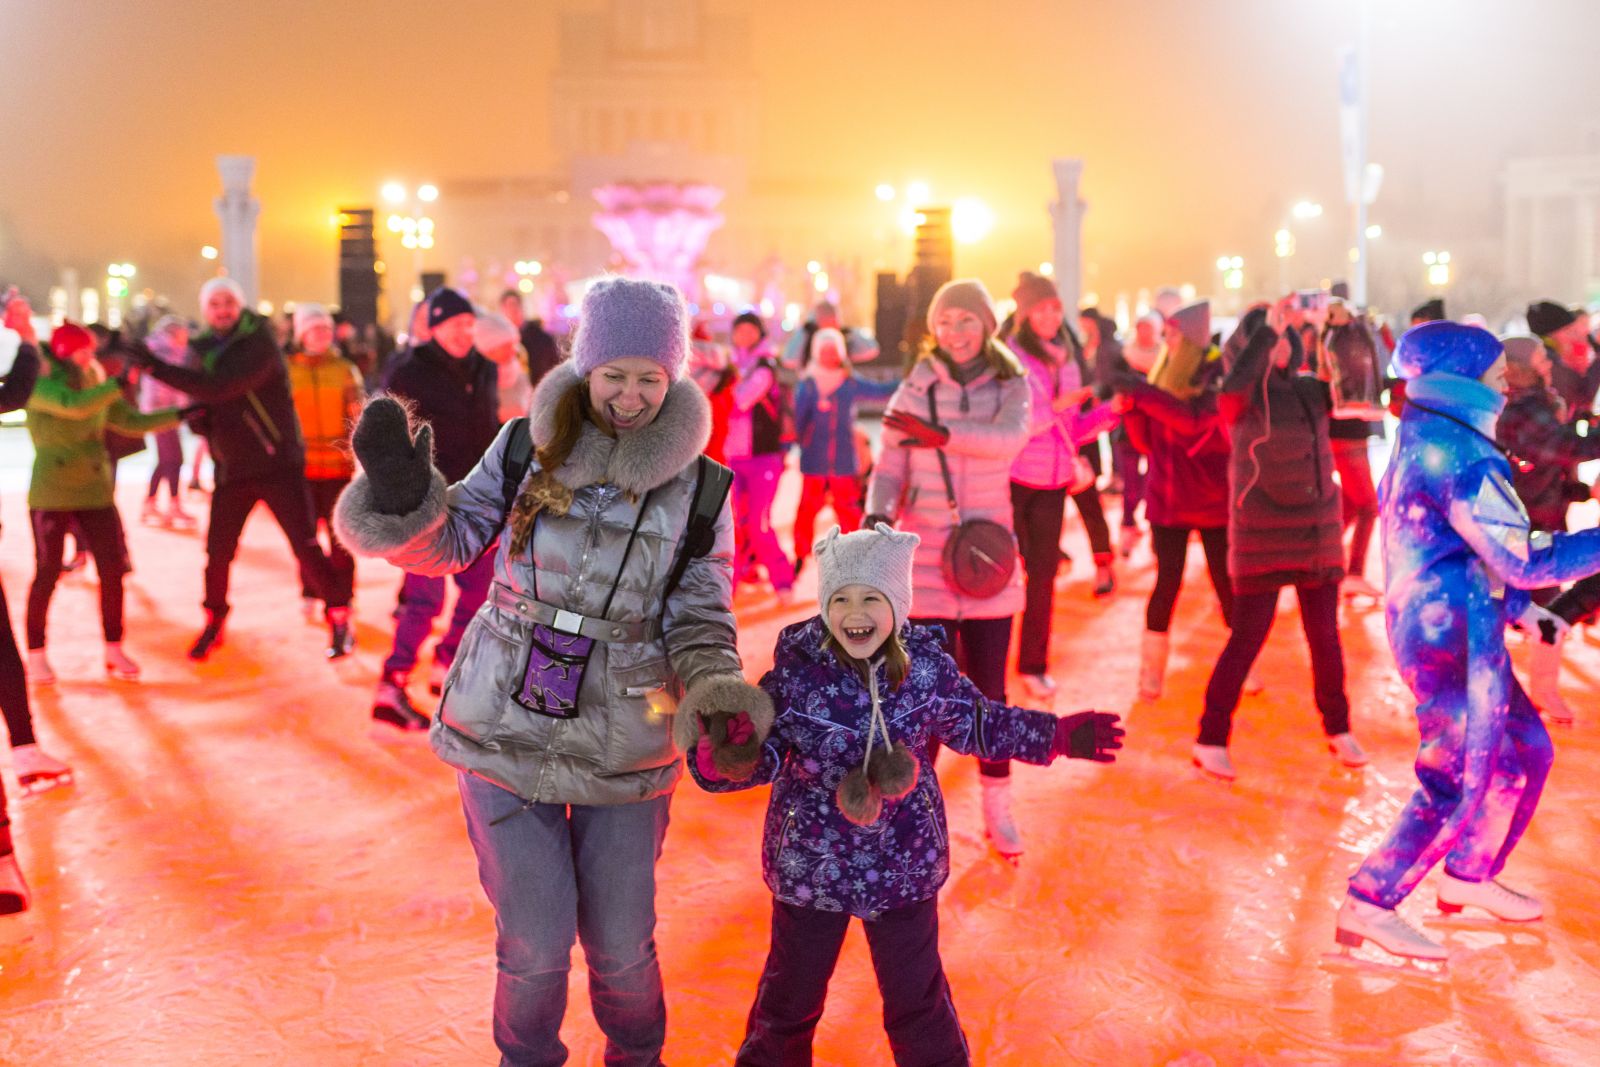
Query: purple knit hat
x=623, y=317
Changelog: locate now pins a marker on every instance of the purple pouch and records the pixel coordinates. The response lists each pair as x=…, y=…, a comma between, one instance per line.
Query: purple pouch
x=554, y=672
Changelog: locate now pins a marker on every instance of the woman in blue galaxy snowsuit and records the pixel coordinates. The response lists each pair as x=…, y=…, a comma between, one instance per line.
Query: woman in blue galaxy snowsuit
x=1459, y=557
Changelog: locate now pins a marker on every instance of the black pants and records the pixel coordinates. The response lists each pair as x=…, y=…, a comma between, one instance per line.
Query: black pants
x=979, y=648
x=1036, y=516
x=101, y=530
x=324, y=495
x=13, y=687
x=290, y=503
x=1171, y=547
x=1252, y=621
x=918, y=1014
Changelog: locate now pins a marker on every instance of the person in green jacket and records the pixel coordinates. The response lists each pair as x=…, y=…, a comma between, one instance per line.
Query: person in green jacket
x=72, y=406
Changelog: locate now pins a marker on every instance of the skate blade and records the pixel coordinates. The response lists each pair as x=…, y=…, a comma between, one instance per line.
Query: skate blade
x=1453, y=916
x=1372, y=961
x=44, y=783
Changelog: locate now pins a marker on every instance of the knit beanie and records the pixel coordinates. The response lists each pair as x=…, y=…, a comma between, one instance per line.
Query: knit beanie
x=1445, y=347
x=220, y=282
x=493, y=331
x=309, y=315
x=1194, y=322
x=624, y=317
x=1547, y=317
x=825, y=337
x=445, y=303
x=880, y=558
x=967, y=294
x=1520, y=350
x=69, y=338
x=1032, y=289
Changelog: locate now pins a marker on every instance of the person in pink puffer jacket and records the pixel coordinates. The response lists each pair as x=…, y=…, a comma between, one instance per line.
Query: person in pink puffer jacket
x=968, y=396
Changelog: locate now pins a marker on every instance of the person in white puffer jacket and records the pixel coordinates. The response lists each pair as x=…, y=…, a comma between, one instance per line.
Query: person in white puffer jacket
x=966, y=396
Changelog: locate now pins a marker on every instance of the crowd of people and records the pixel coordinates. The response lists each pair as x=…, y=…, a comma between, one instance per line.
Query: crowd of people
x=596, y=508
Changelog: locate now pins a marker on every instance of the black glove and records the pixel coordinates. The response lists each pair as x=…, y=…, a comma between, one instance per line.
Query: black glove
x=1088, y=735
x=920, y=433
x=398, y=468
x=871, y=521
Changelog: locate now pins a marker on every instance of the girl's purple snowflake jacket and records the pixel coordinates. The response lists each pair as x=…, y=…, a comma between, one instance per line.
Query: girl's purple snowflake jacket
x=811, y=855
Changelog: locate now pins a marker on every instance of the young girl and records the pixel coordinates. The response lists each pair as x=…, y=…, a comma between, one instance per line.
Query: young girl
x=856, y=823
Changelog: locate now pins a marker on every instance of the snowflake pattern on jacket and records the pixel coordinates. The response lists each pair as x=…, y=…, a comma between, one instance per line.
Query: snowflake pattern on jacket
x=1459, y=557
x=811, y=855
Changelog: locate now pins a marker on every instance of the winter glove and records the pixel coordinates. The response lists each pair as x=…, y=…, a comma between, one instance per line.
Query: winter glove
x=919, y=432
x=1088, y=735
x=398, y=468
x=738, y=731
x=871, y=521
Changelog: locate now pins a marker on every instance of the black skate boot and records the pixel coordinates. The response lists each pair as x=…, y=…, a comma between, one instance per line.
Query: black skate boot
x=210, y=638
x=392, y=706
x=341, y=638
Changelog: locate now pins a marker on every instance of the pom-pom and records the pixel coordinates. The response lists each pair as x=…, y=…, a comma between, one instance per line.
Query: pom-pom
x=859, y=800
x=893, y=771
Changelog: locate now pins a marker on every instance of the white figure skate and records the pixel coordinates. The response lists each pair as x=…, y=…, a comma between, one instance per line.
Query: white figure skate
x=37, y=770
x=1404, y=946
x=1500, y=901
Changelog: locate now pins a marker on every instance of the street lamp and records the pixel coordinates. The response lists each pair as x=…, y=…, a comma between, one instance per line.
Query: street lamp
x=412, y=223
x=208, y=252
x=1232, y=270
x=970, y=220
x=1307, y=209
x=1438, y=264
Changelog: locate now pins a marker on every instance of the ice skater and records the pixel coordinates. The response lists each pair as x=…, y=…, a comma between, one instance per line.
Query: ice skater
x=1459, y=556
x=855, y=823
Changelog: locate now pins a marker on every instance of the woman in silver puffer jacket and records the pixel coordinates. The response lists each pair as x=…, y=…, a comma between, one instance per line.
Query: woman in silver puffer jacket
x=566, y=782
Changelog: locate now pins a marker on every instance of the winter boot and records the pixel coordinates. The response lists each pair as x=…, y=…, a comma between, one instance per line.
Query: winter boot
x=1153, y=663
x=210, y=638
x=39, y=669
x=1105, y=577
x=1213, y=759
x=1128, y=540
x=1544, y=679
x=179, y=519
x=1347, y=750
x=1494, y=898
x=118, y=665
x=341, y=639
x=1039, y=686
x=13, y=890
x=1359, y=921
x=998, y=825
x=37, y=770
x=393, y=706
x=150, y=514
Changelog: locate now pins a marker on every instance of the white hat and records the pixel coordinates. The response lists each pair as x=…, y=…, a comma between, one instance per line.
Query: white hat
x=220, y=282
x=880, y=558
x=309, y=315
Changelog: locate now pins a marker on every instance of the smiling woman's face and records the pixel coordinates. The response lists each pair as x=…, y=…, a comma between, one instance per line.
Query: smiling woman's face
x=628, y=392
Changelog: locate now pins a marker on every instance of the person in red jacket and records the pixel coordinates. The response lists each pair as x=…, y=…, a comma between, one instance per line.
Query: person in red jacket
x=1174, y=421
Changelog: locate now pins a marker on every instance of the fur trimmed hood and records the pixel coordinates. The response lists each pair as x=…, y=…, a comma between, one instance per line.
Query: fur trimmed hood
x=635, y=462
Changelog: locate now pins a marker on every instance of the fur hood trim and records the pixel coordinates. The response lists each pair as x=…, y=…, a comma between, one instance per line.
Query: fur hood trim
x=635, y=462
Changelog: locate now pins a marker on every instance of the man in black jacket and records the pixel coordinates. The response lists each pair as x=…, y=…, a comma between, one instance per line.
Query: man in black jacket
x=452, y=386
x=242, y=383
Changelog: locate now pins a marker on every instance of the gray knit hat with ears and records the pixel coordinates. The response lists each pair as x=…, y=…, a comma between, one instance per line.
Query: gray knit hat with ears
x=623, y=317
x=880, y=558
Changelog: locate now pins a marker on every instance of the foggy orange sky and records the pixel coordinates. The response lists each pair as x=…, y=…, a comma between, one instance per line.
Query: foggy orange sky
x=1199, y=122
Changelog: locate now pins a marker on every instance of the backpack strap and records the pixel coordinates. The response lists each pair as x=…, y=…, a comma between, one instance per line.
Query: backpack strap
x=711, y=485
x=518, y=458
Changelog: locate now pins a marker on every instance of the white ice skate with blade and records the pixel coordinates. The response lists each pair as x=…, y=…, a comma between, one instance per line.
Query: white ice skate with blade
x=1503, y=903
x=998, y=825
x=1348, y=751
x=1214, y=760
x=1360, y=922
x=37, y=770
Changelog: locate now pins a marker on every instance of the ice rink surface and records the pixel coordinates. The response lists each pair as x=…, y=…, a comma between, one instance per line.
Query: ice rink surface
x=246, y=872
